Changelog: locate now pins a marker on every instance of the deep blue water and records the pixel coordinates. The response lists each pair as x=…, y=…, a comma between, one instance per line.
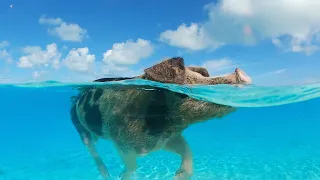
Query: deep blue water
x=273, y=135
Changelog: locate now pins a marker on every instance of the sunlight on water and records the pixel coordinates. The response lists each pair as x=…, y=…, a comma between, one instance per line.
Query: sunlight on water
x=279, y=139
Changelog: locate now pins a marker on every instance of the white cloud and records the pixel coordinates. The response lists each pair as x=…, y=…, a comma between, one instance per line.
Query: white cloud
x=218, y=65
x=113, y=70
x=69, y=32
x=128, y=53
x=65, y=31
x=50, y=21
x=80, y=60
x=271, y=73
x=31, y=49
x=295, y=45
x=191, y=37
x=64, y=47
x=279, y=71
x=42, y=75
x=4, y=55
x=296, y=23
x=36, y=57
x=35, y=74
x=4, y=44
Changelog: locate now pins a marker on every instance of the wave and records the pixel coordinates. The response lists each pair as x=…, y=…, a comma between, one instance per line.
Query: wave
x=237, y=96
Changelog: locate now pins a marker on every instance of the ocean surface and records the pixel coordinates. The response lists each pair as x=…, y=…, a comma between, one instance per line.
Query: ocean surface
x=273, y=135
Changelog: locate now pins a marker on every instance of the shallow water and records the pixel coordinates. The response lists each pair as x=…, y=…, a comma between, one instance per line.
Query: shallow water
x=273, y=135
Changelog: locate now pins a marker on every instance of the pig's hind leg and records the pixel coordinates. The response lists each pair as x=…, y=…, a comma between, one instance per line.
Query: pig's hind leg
x=130, y=164
x=89, y=140
x=179, y=146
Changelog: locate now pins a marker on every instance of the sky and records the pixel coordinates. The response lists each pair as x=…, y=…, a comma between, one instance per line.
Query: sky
x=275, y=42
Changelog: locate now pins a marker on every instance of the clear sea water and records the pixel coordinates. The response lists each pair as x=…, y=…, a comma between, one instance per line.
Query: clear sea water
x=273, y=135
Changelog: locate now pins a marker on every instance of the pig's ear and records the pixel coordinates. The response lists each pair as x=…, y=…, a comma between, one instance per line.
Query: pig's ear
x=169, y=71
x=201, y=70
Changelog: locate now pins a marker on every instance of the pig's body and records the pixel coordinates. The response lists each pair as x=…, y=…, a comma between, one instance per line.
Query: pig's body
x=142, y=119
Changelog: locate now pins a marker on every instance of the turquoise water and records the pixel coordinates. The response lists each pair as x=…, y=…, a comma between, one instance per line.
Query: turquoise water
x=274, y=134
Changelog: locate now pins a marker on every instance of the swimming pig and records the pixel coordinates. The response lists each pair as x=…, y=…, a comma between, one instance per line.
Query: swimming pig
x=174, y=71
x=140, y=119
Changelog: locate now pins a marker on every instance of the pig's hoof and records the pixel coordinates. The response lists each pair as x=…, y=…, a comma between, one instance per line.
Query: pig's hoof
x=182, y=174
x=242, y=77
